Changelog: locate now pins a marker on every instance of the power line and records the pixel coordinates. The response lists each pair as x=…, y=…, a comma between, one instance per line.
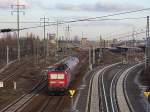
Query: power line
x=25, y=22
x=64, y=21
x=123, y=34
x=119, y=19
x=54, y=23
x=89, y=19
x=127, y=12
x=130, y=35
x=122, y=13
x=79, y=21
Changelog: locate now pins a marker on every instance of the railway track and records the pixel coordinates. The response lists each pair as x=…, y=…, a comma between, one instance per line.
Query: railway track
x=45, y=103
x=94, y=95
x=123, y=100
x=5, y=67
x=11, y=72
x=113, y=92
x=17, y=68
x=106, y=87
x=21, y=102
x=90, y=90
x=53, y=101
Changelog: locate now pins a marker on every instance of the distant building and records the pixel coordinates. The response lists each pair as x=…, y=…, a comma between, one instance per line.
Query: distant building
x=76, y=39
x=52, y=38
x=52, y=44
x=83, y=42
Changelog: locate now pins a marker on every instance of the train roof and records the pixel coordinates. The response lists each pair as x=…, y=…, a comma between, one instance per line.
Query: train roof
x=58, y=68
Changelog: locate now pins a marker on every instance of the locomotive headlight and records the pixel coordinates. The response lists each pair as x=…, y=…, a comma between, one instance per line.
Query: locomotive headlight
x=53, y=76
x=57, y=76
x=61, y=76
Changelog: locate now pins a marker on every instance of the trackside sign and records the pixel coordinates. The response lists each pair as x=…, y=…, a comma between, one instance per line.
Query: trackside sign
x=147, y=93
x=72, y=92
x=1, y=84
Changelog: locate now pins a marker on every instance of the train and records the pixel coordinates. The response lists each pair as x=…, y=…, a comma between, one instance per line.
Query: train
x=60, y=76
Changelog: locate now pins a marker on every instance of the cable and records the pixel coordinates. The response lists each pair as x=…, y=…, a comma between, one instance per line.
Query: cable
x=64, y=22
x=24, y=22
x=89, y=19
x=120, y=19
x=130, y=35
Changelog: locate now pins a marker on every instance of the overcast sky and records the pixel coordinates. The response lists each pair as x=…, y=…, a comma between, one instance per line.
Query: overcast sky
x=76, y=9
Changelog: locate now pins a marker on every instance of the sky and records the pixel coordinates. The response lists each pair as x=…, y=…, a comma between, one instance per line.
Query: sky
x=73, y=10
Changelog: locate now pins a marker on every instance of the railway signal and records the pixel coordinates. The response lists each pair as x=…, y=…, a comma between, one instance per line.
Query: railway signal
x=7, y=30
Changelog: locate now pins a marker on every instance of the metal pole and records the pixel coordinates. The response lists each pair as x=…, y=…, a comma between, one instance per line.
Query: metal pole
x=72, y=110
x=133, y=36
x=44, y=41
x=34, y=47
x=100, y=51
x=57, y=38
x=18, y=33
x=90, y=58
x=44, y=31
x=146, y=48
x=148, y=26
x=47, y=51
x=93, y=55
x=148, y=44
x=69, y=33
x=37, y=50
x=18, y=11
x=146, y=51
x=7, y=55
x=121, y=56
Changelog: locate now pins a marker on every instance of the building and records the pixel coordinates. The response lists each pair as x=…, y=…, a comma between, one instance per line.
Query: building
x=84, y=42
x=52, y=44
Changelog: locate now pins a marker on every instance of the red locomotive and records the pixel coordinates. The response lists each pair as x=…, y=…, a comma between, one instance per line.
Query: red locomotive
x=61, y=75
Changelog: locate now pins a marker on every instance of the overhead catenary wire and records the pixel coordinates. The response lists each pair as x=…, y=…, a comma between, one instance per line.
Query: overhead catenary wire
x=24, y=22
x=119, y=19
x=113, y=19
x=92, y=18
x=64, y=22
x=130, y=35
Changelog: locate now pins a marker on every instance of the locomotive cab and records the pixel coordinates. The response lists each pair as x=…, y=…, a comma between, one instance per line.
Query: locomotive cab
x=60, y=76
x=57, y=78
